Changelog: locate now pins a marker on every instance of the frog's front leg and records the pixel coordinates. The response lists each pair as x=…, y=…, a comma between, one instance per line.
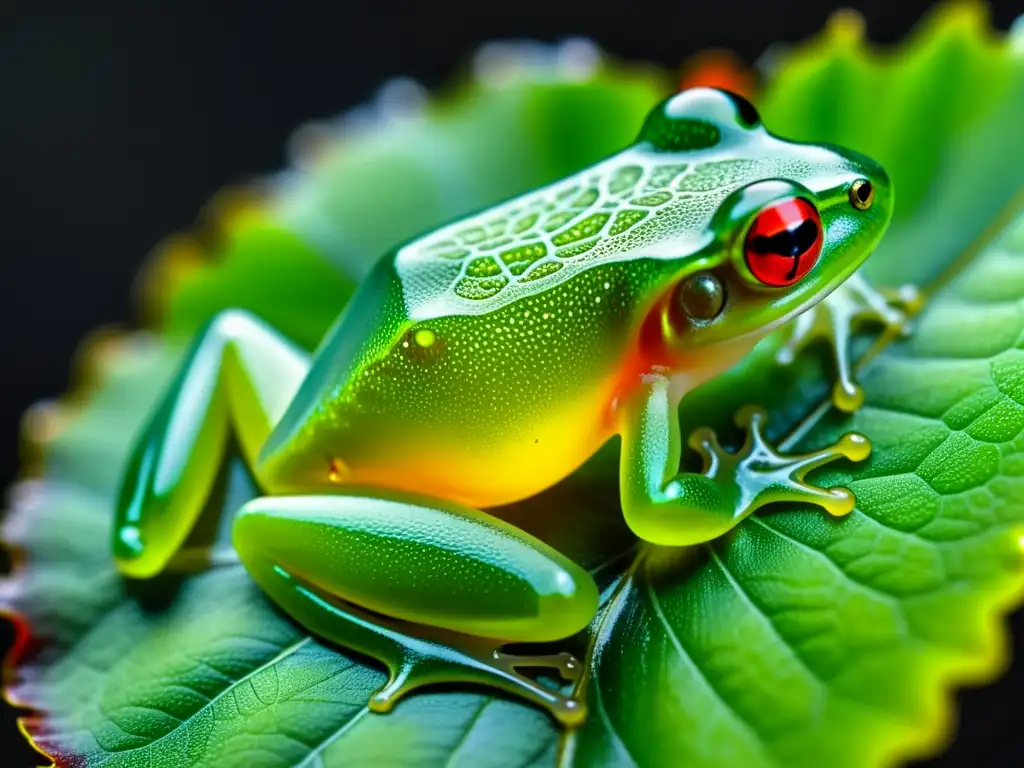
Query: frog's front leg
x=326, y=559
x=836, y=318
x=665, y=506
x=240, y=375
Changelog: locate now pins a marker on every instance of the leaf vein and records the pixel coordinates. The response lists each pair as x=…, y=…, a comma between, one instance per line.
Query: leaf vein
x=467, y=730
x=888, y=597
x=282, y=655
x=341, y=731
x=685, y=657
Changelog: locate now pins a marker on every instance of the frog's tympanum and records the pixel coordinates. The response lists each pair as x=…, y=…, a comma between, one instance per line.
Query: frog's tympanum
x=485, y=361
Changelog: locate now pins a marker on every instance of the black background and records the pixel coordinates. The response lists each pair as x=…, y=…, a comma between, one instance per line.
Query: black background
x=119, y=120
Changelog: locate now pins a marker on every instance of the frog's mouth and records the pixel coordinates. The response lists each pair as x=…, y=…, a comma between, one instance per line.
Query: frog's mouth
x=804, y=306
x=807, y=304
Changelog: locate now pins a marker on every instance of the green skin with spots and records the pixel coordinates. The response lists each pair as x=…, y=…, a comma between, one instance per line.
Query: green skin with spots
x=485, y=361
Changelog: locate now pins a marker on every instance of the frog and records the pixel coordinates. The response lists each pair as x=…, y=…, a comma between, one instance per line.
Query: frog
x=483, y=362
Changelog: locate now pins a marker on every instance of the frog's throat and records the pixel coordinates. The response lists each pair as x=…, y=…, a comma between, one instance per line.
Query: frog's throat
x=697, y=365
x=817, y=298
x=705, y=363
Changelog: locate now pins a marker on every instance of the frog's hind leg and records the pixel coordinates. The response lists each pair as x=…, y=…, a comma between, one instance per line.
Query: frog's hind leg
x=446, y=585
x=238, y=376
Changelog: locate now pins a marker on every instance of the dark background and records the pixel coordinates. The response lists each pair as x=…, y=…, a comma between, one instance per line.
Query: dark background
x=119, y=120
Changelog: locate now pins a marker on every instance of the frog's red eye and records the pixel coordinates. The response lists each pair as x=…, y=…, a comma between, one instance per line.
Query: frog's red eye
x=784, y=242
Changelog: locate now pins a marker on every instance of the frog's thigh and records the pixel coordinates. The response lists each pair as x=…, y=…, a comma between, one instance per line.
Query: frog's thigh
x=416, y=559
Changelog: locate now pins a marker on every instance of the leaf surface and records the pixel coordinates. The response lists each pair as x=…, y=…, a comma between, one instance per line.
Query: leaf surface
x=797, y=640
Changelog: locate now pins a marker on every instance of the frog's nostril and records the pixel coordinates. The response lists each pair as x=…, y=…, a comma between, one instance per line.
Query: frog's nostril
x=862, y=194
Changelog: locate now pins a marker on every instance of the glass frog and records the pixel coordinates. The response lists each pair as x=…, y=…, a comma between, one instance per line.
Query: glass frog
x=481, y=363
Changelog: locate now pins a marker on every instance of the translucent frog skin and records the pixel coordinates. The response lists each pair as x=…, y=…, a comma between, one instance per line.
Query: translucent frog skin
x=483, y=362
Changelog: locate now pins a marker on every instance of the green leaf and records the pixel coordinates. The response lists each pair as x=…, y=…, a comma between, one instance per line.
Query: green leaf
x=797, y=640
x=269, y=270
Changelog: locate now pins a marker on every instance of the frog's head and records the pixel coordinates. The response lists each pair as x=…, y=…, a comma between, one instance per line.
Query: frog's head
x=793, y=222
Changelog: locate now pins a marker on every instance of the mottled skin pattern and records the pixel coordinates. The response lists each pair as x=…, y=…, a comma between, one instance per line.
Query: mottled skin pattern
x=497, y=407
x=483, y=362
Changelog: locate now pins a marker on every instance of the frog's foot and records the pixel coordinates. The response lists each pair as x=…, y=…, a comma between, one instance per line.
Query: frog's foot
x=567, y=665
x=417, y=655
x=762, y=475
x=466, y=659
x=835, y=319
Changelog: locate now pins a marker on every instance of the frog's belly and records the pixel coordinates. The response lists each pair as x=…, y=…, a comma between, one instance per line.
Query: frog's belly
x=500, y=471
x=489, y=462
x=484, y=410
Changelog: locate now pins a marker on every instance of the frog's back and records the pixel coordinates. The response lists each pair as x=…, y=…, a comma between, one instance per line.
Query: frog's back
x=526, y=245
x=655, y=199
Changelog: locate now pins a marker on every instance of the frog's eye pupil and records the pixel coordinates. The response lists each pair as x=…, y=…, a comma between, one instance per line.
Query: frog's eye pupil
x=783, y=242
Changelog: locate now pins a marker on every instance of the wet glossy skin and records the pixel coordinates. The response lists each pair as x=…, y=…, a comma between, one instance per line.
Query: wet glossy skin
x=516, y=389
x=485, y=361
